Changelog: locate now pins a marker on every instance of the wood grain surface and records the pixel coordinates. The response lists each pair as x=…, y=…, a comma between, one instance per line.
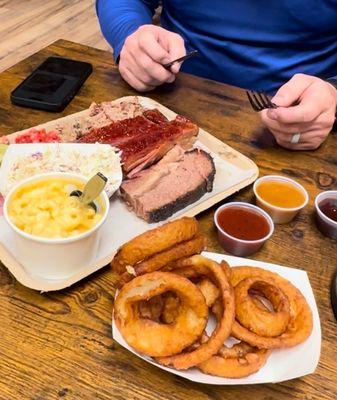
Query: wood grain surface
x=28, y=26
x=59, y=345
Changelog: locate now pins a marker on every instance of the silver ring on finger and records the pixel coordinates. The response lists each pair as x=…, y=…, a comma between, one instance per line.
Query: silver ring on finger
x=295, y=138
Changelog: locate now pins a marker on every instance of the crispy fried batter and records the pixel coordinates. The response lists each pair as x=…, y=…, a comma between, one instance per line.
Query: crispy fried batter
x=163, y=308
x=152, y=308
x=236, y=362
x=164, y=258
x=185, y=249
x=217, y=309
x=301, y=322
x=170, y=308
x=123, y=279
x=226, y=268
x=251, y=316
x=153, y=338
x=154, y=241
x=209, y=290
x=187, y=360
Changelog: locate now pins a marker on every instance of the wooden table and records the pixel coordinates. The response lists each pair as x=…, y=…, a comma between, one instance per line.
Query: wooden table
x=59, y=345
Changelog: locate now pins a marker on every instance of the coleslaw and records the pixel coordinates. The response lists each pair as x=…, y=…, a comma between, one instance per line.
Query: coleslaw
x=104, y=159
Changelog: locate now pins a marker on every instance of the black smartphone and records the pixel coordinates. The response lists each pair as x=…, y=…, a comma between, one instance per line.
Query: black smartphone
x=52, y=85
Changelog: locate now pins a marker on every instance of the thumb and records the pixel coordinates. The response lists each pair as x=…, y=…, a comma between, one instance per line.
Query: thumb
x=176, y=48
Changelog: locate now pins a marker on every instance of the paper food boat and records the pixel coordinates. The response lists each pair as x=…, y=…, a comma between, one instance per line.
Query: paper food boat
x=282, y=364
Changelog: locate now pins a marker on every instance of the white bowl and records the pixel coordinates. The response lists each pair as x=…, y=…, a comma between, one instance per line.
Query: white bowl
x=52, y=258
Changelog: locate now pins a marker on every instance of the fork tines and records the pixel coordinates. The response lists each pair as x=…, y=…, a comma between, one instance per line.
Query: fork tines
x=259, y=101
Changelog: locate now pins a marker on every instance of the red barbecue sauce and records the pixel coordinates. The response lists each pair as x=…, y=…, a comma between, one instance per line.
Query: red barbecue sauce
x=243, y=223
x=329, y=208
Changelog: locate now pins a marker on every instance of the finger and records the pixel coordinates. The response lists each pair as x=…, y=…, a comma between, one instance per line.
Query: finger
x=149, y=43
x=287, y=128
x=133, y=81
x=291, y=129
x=171, y=80
x=324, y=121
x=176, y=48
x=291, y=91
x=300, y=146
x=308, y=140
x=154, y=76
x=312, y=104
x=150, y=71
x=285, y=137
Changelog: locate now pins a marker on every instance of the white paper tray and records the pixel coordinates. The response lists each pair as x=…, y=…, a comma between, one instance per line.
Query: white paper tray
x=234, y=171
x=282, y=364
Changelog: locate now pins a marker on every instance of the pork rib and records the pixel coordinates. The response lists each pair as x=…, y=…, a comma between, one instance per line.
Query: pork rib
x=144, y=139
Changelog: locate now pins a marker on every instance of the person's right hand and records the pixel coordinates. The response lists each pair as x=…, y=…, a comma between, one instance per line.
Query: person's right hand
x=144, y=53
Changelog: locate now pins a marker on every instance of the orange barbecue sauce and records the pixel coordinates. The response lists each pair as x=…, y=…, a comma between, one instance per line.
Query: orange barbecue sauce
x=280, y=194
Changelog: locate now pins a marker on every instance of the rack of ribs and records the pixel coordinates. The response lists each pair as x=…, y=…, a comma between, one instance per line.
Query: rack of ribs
x=144, y=139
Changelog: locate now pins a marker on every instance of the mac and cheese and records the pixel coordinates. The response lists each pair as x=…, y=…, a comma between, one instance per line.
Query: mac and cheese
x=45, y=209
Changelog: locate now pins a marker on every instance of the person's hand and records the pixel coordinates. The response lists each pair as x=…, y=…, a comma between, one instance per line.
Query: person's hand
x=307, y=106
x=144, y=53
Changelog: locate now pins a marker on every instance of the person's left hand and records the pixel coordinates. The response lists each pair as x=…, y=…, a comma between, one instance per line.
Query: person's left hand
x=306, y=106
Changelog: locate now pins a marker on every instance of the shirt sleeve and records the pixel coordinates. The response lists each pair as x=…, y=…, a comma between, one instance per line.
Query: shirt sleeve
x=119, y=18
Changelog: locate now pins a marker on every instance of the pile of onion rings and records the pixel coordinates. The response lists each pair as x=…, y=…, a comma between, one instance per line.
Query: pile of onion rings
x=169, y=293
x=157, y=248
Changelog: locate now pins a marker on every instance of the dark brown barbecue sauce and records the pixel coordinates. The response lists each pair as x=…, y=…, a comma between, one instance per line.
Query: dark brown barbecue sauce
x=329, y=208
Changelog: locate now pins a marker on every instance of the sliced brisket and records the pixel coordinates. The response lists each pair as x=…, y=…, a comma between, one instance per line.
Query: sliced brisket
x=179, y=179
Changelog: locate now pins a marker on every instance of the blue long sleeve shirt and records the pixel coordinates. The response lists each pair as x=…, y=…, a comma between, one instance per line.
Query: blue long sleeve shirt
x=254, y=44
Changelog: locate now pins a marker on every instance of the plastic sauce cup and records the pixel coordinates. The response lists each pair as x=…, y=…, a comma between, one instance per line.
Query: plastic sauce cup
x=325, y=224
x=234, y=245
x=280, y=215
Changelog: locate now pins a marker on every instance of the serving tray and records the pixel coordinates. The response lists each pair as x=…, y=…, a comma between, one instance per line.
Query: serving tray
x=234, y=171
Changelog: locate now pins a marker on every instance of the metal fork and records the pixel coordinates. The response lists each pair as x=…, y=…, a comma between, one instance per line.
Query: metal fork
x=259, y=101
x=181, y=59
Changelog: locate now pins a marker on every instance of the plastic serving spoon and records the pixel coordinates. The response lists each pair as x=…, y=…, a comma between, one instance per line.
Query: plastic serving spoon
x=91, y=190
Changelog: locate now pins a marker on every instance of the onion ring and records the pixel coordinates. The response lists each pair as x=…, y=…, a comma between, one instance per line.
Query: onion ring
x=181, y=250
x=252, y=316
x=236, y=362
x=153, y=242
x=170, y=308
x=301, y=322
x=162, y=308
x=226, y=268
x=152, y=308
x=209, y=290
x=160, y=260
x=187, y=360
x=152, y=338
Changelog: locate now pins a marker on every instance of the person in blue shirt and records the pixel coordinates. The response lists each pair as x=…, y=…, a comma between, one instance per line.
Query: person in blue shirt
x=283, y=47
